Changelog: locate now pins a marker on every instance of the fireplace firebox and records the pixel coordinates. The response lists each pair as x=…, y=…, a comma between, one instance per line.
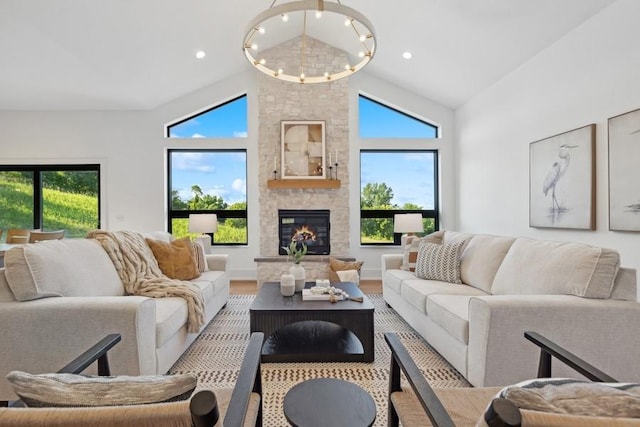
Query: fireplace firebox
x=311, y=227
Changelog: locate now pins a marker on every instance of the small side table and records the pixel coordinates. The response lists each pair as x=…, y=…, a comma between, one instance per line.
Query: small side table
x=329, y=402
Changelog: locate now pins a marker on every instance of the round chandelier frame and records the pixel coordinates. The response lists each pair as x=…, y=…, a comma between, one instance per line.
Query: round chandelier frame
x=353, y=18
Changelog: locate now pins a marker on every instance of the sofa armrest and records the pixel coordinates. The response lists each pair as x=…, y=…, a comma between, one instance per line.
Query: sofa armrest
x=43, y=335
x=217, y=262
x=596, y=329
x=249, y=381
x=391, y=262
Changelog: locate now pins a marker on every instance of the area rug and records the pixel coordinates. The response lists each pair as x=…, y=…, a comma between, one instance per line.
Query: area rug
x=216, y=355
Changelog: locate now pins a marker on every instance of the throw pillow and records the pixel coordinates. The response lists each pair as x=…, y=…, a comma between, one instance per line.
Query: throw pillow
x=440, y=262
x=176, y=259
x=69, y=390
x=410, y=253
x=201, y=261
x=338, y=265
x=565, y=396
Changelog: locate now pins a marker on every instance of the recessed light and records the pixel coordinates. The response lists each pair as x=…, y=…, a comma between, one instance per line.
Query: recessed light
x=200, y=54
x=407, y=55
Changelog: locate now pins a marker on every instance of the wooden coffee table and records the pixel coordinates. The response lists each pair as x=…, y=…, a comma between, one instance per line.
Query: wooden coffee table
x=313, y=331
x=329, y=402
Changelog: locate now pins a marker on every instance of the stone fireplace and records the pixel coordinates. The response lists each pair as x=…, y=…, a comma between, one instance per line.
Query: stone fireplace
x=280, y=100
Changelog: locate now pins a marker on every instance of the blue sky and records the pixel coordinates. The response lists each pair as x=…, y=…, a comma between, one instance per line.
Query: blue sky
x=411, y=178
x=219, y=174
x=224, y=174
x=226, y=121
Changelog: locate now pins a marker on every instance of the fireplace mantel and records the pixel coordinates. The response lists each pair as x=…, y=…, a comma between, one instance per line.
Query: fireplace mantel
x=303, y=183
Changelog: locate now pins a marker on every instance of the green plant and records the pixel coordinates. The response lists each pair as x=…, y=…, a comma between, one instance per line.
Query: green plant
x=295, y=251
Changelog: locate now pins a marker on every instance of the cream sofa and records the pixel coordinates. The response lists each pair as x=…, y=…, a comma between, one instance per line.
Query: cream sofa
x=572, y=293
x=80, y=299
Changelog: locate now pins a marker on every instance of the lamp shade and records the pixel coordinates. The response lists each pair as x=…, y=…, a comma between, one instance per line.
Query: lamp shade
x=203, y=223
x=408, y=223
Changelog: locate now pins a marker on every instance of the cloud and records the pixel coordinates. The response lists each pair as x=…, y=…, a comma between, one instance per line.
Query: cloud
x=239, y=134
x=192, y=162
x=197, y=135
x=239, y=185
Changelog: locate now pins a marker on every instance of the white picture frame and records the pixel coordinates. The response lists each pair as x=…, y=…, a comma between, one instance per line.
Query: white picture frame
x=303, y=149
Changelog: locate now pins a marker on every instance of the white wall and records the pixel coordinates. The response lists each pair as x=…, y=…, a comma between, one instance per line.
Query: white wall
x=591, y=74
x=131, y=147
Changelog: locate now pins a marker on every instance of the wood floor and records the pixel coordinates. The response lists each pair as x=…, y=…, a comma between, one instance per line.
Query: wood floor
x=250, y=287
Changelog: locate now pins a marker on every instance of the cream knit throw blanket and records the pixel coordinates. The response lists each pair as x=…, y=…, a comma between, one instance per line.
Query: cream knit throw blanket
x=141, y=274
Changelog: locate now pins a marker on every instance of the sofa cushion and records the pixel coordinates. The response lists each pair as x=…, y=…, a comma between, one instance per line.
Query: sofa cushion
x=533, y=267
x=456, y=236
x=52, y=268
x=393, y=278
x=440, y=262
x=451, y=313
x=410, y=250
x=209, y=283
x=481, y=258
x=70, y=390
x=416, y=291
x=176, y=259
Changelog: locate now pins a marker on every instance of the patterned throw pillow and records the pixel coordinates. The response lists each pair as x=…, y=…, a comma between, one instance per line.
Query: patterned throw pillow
x=440, y=262
x=410, y=253
x=69, y=390
x=201, y=261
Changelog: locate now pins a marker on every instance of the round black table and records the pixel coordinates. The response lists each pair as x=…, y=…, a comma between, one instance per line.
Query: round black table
x=329, y=402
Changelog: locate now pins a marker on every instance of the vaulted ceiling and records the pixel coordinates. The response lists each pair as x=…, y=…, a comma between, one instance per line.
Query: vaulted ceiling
x=139, y=54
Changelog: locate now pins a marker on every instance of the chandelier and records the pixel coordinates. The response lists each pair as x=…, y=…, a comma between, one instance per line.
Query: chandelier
x=330, y=23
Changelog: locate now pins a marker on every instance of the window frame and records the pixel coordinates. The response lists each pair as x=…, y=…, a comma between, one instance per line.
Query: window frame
x=222, y=214
x=38, y=169
x=383, y=213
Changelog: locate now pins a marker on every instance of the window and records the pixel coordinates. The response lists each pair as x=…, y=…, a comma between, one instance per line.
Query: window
x=392, y=182
x=227, y=120
x=398, y=180
x=209, y=181
x=377, y=120
x=51, y=197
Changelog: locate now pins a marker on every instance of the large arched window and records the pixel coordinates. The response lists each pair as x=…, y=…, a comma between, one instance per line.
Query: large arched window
x=210, y=180
x=395, y=181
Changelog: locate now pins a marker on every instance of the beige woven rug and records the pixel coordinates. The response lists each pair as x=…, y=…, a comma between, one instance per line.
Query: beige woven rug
x=216, y=355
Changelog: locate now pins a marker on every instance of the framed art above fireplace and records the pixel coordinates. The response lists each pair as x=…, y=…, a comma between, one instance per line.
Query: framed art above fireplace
x=303, y=149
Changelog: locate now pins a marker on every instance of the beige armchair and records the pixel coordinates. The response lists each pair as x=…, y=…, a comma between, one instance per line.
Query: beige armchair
x=240, y=406
x=419, y=404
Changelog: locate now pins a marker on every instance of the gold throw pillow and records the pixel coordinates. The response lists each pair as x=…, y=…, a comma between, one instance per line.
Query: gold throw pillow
x=176, y=259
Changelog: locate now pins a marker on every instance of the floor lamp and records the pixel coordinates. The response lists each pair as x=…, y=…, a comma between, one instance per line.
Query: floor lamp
x=207, y=224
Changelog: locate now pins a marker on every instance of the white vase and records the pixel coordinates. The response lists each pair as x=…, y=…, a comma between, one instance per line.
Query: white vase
x=287, y=285
x=297, y=271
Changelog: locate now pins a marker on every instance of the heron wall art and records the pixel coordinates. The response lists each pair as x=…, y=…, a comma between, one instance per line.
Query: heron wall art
x=562, y=180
